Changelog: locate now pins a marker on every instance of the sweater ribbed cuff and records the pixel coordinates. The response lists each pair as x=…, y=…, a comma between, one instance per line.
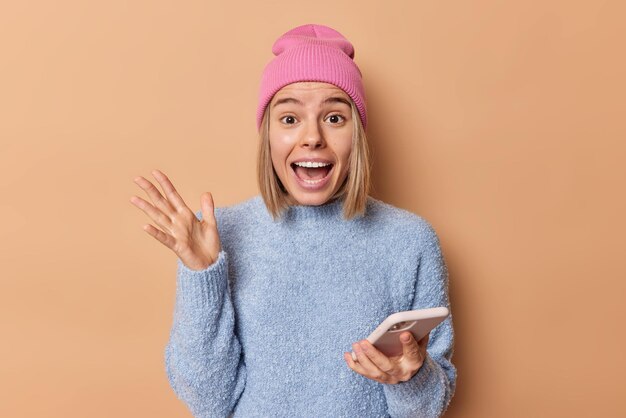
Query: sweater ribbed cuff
x=199, y=289
x=427, y=377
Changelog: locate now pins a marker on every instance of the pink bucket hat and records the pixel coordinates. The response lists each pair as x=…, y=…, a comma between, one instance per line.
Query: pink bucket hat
x=312, y=53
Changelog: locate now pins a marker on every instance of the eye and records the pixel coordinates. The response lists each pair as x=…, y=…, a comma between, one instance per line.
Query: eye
x=289, y=120
x=335, y=119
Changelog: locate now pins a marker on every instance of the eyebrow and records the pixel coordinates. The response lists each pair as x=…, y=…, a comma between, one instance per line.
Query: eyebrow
x=333, y=99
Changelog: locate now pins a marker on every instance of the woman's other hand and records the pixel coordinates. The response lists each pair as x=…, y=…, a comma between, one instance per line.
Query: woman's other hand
x=195, y=242
x=374, y=365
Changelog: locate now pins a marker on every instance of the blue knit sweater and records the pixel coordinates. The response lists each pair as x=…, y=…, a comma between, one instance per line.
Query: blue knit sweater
x=262, y=331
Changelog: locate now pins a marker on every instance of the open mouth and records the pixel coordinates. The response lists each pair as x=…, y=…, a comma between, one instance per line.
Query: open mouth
x=312, y=175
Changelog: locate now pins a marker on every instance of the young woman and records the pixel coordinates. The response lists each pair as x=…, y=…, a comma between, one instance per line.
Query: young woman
x=273, y=293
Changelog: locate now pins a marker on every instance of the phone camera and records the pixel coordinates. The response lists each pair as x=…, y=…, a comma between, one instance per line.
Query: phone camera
x=401, y=326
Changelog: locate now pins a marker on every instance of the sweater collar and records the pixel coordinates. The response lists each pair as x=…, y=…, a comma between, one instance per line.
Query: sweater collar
x=327, y=211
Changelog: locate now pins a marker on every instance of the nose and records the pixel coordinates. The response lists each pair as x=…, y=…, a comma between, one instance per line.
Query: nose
x=313, y=136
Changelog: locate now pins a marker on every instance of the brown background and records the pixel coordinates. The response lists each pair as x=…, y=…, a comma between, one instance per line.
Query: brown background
x=502, y=123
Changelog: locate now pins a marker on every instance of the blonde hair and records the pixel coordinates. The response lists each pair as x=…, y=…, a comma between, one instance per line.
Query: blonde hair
x=356, y=186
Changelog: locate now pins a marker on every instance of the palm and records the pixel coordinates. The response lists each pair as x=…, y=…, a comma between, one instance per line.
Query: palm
x=196, y=242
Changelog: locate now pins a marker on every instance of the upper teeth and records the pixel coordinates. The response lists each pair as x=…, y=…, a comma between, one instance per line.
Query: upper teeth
x=311, y=164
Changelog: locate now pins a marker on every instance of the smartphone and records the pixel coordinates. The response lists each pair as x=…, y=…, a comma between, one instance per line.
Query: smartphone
x=386, y=337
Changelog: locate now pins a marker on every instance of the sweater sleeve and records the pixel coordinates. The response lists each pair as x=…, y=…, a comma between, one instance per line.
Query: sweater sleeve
x=429, y=391
x=203, y=357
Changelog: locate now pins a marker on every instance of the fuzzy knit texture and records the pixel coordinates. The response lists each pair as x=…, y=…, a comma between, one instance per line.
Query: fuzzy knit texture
x=262, y=331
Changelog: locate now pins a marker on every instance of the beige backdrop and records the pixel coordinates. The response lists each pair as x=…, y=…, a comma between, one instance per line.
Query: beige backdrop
x=502, y=123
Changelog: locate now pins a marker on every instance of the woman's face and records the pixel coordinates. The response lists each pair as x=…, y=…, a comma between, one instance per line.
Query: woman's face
x=310, y=123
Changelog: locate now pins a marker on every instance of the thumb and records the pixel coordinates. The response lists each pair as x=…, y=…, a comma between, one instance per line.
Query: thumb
x=207, y=206
x=410, y=349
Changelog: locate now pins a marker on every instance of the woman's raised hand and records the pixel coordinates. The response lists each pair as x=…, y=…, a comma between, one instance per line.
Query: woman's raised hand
x=195, y=242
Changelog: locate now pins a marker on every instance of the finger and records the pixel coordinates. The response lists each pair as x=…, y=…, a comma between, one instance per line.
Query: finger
x=169, y=189
x=353, y=364
x=208, y=207
x=156, y=215
x=156, y=197
x=379, y=359
x=161, y=236
x=410, y=349
x=371, y=369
